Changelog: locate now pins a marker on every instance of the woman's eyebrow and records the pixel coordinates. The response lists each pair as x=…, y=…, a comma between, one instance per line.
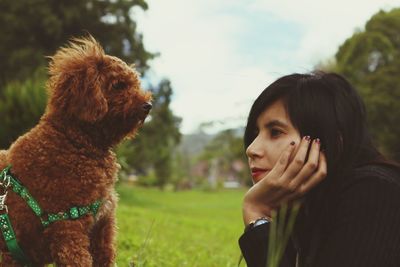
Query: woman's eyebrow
x=274, y=123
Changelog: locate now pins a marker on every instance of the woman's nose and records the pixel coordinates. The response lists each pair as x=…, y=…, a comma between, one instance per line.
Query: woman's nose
x=254, y=150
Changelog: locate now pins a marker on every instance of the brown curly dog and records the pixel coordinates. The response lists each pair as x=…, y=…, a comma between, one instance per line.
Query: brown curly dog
x=95, y=101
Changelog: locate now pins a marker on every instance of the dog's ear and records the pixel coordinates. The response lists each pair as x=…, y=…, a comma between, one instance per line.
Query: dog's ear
x=75, y=82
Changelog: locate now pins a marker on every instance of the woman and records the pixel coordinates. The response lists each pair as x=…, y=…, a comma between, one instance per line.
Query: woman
x=306, y=140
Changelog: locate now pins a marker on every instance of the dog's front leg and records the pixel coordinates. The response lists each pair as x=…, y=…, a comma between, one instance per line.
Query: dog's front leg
x=69, y=244
x=102, y=242
x=8, y=261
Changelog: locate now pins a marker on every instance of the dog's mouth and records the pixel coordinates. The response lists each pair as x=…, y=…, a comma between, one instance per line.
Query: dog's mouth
x=141, y=122
x=143, y=118
x=134, y=119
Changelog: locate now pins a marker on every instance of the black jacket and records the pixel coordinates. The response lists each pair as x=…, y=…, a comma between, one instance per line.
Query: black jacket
x=355, y=223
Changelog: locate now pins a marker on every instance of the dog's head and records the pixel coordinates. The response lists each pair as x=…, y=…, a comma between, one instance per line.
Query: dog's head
x=89, y=87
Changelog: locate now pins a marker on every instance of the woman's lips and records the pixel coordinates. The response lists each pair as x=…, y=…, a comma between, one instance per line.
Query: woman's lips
x=258, y=174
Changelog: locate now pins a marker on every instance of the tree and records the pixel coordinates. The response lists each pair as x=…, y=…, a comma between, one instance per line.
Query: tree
x=154, y=147
x=226, y=148
x=370, y=59
x=21, y=106
x=33, y=29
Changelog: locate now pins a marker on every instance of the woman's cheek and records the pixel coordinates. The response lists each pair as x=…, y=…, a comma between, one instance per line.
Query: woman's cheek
x=278, y=149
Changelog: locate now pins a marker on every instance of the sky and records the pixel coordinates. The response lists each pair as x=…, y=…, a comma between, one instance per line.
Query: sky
x=220, y=54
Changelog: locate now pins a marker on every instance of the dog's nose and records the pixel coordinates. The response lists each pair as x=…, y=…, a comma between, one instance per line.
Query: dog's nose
x=147, y=106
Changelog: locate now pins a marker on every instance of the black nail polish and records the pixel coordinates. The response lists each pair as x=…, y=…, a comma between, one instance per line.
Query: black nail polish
x=292, y=143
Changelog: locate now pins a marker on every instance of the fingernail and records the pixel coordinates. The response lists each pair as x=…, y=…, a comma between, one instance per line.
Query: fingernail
x=307, y=137
x=292, y=143
x=318, y=141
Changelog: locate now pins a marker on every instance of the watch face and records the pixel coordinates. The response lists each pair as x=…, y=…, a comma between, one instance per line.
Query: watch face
x=255, y=223
x=260, y=222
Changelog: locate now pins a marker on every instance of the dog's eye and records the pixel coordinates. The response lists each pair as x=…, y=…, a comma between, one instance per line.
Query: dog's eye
x=119, y=85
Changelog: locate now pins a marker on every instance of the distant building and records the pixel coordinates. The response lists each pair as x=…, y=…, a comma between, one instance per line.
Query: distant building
x=215, y=174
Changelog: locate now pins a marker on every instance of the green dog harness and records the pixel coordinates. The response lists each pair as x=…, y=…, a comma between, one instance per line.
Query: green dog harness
x=8, y=180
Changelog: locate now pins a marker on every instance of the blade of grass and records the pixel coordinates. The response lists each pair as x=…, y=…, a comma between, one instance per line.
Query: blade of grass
x=142, y=248
x=272, y=241
x=289, y=225
x=280, y=232
x=281, y=223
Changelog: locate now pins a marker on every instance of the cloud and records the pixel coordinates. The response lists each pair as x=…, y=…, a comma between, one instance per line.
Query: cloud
x=219, y=55
x=326, y=23
x=198, y=55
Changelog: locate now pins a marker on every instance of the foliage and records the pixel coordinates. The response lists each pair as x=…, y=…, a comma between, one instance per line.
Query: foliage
x=282, y=226
x=21, y=106
x=155, y=144
x=33, y=29
x=36, y=28
x=370, y=59
x=187, y=228
x=227, y=147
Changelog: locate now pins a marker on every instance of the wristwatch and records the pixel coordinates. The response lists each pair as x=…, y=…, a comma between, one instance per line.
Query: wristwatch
x=257, y=222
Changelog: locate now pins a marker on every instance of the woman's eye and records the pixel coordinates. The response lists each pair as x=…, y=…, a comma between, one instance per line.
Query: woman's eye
x=119, y=85
x=275, y=132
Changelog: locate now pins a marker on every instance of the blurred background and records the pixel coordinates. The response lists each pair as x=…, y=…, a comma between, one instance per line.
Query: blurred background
x=205, y=62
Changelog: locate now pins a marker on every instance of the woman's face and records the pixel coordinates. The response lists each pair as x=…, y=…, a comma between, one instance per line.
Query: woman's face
x=275, y=133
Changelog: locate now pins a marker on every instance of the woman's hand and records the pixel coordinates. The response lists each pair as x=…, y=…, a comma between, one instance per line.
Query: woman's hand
x=291, y=177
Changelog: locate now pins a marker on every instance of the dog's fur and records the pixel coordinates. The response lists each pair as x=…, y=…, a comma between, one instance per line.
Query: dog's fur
x=95, y=101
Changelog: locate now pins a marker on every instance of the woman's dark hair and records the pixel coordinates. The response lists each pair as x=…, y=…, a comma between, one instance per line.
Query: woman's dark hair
x=325, y=106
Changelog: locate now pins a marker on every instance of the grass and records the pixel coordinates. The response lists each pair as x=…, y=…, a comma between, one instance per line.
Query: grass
x=190, y=228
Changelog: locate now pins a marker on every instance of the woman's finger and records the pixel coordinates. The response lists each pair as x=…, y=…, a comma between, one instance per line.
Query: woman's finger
x=311, y=182
x=281, y=185
x=283, y=161
x=317, y=177
x=309, y=168
x=297, y=163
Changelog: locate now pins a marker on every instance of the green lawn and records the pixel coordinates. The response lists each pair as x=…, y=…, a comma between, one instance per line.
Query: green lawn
x=190, y=228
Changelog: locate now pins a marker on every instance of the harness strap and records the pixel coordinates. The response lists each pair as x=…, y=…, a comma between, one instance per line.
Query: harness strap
x=18, y=188
x=7, y=179
x=11, y=240
x=46, y=219
x=72, y=214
